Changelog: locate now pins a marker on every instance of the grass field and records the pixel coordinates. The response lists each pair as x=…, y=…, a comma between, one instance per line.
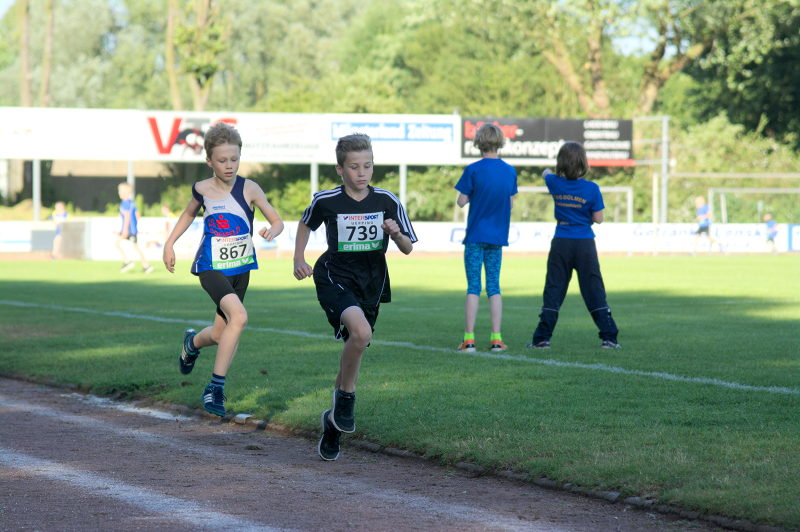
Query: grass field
x=700, y=409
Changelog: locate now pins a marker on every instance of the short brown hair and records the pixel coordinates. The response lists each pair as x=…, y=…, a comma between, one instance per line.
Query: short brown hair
x=571, y=161
x=489, y=138
x=219, y=134
x=351, y=143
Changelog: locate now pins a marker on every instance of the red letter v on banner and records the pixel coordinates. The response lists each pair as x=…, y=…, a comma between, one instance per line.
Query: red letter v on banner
x=164, y=149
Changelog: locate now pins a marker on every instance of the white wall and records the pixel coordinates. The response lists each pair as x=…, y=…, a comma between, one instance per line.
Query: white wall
x=98, y=240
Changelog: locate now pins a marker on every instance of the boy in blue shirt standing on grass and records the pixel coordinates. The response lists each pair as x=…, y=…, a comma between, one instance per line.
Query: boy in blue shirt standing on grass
x=489, y=186
x=578, y=204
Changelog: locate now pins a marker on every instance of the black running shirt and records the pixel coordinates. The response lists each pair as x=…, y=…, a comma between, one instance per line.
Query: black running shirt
x=356, y=242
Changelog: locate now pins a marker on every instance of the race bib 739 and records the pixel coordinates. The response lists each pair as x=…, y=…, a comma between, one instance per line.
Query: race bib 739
x=360, y=232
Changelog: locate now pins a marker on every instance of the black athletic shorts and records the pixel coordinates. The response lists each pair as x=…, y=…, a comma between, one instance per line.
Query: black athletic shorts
x=219, y=285
x=703, y=229
x=335, y=299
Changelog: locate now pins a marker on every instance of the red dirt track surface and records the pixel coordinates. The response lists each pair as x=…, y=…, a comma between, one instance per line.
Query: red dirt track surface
x=71, y=462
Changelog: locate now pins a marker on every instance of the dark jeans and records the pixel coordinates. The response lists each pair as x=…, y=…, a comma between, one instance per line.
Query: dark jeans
x=579, y=254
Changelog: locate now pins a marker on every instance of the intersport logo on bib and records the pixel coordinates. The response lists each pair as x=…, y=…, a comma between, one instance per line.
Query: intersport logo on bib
x=359, y=218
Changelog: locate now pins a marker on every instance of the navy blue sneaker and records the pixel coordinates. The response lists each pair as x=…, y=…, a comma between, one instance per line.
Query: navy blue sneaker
x=342, y=414
x=329, y=442
x=608, y=344
x=544, y=344
x=214, y=400
x=188, y=355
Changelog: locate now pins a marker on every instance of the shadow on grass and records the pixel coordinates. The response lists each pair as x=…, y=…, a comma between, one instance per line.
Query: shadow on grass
x=130, y=332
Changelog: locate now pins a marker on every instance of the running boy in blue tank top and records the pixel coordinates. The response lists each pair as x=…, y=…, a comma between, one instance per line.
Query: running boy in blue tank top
x=225, y=255
x=489, y=186
x=578, y=204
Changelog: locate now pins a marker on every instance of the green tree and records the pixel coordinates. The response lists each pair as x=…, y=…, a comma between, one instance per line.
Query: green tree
x=751, y=74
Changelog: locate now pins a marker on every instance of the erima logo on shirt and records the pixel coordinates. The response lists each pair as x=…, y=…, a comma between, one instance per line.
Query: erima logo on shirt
x=356, y=218
x=361, y=246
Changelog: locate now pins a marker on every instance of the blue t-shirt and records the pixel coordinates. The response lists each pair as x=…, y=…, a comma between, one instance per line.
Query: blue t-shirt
x=703, y=211
x=489, y=183
x=772, y=229
x=128, y=206
x=575, y=201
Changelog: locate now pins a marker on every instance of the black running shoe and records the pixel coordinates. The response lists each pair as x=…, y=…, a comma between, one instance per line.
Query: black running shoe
x=329, y=442
x=214, y=400
x=188, y=356
x=544, y=344
x=608, y=344
x=342, y=414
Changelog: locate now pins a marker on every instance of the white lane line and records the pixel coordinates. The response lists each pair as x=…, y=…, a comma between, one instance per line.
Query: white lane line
x=408, y=345
x=149, y=500
x=296, y=476
x=103, y=402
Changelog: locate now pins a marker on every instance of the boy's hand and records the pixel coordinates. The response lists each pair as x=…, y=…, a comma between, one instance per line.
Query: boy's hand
x=169, y=258
x=391, y=227
x=266, y=233
x=547, y=171
x=302, y=269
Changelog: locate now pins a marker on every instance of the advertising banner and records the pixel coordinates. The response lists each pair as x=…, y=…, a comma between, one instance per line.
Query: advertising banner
x=171, y=136
x=535, y=141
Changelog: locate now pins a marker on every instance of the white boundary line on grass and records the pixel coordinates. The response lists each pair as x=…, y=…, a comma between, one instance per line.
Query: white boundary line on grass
x=408, y=345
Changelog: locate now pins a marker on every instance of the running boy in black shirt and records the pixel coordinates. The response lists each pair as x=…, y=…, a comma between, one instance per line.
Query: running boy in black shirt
x=351, y=277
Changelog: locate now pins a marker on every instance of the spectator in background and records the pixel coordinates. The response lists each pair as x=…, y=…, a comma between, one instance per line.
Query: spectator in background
x=488, y=186
x=578, y=205
x=772, y=231
x=129, y=229
x=58, y=217
x=703, y=217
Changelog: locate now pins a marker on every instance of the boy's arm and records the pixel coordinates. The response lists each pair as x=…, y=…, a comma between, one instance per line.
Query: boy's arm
x=126, y=224
x=462, y=199
x=404, y=243
x=184, y=221
x=269, y=212
x=301, y=268
x=597, y=217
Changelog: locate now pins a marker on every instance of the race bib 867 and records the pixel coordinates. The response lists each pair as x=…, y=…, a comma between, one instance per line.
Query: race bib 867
x=231, y=251
x=360, y=232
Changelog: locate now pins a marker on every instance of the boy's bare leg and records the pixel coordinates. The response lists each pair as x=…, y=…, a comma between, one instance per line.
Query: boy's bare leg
x=224, y=335
x=496, y=312
x=360, y=336
x=139, y=251
x=471, y=312
x=121, y=249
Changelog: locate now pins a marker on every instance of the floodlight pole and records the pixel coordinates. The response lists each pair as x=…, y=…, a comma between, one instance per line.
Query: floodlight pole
x=403, y=183
x=664, y=166
x=314, y=179
x=37, y=188
x=131, y=178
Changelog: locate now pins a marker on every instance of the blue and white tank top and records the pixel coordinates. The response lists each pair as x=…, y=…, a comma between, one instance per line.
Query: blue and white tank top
x=227, y=244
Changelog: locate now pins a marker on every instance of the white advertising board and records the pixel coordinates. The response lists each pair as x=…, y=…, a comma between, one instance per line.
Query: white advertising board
x=165, y=136
x=100, y=238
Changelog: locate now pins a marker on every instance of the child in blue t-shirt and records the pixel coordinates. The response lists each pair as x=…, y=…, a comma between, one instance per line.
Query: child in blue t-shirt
x=703, y=217
x=128, y=230
x=58, y=217
x=578, y=204
x=772, y=231
x=489, y=186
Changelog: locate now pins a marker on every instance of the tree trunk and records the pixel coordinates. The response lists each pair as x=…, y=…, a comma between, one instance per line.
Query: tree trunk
x=47, y=55
x=23, y=20
x=169, y=57
x=201, y=87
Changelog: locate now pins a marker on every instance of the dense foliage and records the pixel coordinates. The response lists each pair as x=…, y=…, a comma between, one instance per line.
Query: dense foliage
x=720, y=68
